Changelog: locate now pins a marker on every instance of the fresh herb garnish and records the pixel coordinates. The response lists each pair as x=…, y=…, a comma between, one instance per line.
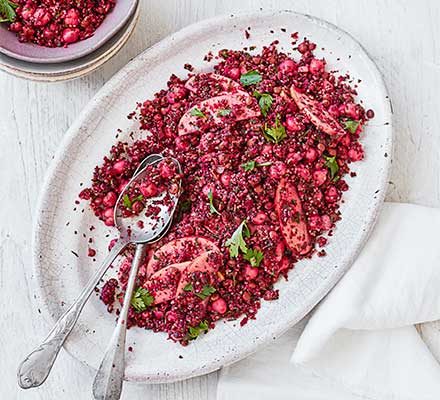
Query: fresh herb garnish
x=206, y=291
x=185, y=205
x=254, y=256
x=224, y=112
x=7, y=11
x=332, y=165
x=188, y=287
x=129, y=202
x=195, y=331
x=276, y=133
x=351, y=125
x=212, y=208
x=236, y=242
x=265, y=101
x=250, y=165
x=250, y=78
x=141, y=299
x=195, y=112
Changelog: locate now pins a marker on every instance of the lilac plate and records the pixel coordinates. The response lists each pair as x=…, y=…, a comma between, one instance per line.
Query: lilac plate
x=30, y=52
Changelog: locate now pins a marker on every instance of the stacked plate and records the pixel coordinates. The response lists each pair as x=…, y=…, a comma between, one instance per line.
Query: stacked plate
x=30, y=61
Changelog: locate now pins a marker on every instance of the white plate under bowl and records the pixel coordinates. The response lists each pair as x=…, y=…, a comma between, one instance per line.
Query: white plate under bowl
x=59, y=275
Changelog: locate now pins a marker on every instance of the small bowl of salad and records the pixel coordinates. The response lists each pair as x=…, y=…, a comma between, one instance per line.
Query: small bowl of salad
x=44, y=31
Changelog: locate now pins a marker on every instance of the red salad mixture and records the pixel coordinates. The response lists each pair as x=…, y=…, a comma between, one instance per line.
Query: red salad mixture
x=265, y=142
x=57, y=23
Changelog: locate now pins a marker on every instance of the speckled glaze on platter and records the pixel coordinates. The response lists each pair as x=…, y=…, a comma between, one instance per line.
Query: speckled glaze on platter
x=61, y=264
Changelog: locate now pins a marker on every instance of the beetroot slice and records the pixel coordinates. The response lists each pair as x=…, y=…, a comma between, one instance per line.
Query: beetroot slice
x=178, y=251
x=206, y=262
x=212, y=84
x=291, y=217
x=317, y=114
x=163, y=283
x=227, y=107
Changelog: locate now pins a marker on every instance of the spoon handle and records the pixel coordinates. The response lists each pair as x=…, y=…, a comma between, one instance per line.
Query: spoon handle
x=35, y=368
x=109, y=378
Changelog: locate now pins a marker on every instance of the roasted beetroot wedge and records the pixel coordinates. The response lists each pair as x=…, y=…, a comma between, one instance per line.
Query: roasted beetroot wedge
x=317, y=114
x=163, y=283
x=206, y=263
x=291, y=217
x=178, y=251
x=211, y=84
x=227, y=107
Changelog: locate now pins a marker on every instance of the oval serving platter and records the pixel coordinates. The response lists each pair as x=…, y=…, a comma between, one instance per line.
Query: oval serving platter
x=61, y=264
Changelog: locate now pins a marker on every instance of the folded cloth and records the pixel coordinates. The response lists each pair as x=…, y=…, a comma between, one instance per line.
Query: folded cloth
x=361, y=341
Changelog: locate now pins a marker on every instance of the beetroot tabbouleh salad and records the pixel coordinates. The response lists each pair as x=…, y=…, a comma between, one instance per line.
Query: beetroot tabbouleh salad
x=55, y=23
x=265, y=142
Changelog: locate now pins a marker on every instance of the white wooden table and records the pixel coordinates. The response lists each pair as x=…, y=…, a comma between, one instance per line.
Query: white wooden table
x=403, y=37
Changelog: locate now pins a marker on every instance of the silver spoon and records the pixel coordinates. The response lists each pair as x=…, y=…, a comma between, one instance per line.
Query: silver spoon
x=109, y=378
x=35, y=368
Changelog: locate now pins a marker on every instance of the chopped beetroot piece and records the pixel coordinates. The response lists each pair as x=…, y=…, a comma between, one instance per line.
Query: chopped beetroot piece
x=291, y=216
x=206, y=262
x=163, y=283
x=228, y=107
x=178, y=251
x=317, y=114
x=212, y=84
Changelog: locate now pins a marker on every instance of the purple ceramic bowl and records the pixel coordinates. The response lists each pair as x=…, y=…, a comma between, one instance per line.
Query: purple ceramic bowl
x=30, y=52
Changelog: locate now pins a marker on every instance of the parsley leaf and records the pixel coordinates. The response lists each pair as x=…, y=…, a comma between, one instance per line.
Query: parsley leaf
x=195, y=112
x=250, y=78
x=250, y=165
x=276, y=133
x=7, y=11
x=185, y=205
x=224, y=112
x=236, y=242
x=129, y=202
x=141, y=299
x=206, y=291
x=265, y=101
x=254, y=257
x=212, y=208
x=351, y=125
x=188, y=287
x=126, y=200
x=332, y=165
x=195, y=331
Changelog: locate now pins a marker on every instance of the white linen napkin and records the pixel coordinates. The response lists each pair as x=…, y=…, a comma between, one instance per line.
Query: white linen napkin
x=361, y=341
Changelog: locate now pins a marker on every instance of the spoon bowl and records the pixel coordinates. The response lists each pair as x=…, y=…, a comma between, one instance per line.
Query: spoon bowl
x=146, y=228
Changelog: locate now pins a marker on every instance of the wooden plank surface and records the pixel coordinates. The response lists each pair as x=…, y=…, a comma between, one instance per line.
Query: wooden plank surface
x=403, y=37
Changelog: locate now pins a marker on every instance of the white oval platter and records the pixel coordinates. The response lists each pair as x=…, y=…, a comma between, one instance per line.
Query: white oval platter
x=59, y=274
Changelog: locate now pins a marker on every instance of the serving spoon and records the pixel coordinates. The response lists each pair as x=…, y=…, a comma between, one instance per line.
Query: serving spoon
x=35, y=368
x=110, y=376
